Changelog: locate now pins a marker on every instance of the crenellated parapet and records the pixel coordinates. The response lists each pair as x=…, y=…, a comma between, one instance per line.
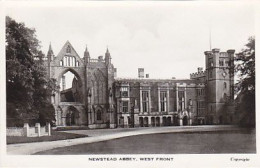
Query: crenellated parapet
x=197, y=75
x=188, y=85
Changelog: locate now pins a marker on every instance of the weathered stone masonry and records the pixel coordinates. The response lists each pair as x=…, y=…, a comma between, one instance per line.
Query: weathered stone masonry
x=101, y=100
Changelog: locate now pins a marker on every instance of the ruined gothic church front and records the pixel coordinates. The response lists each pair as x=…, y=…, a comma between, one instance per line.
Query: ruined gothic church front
x=98, y=99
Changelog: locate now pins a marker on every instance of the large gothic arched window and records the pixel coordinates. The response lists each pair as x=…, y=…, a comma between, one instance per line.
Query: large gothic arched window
x=99, y=115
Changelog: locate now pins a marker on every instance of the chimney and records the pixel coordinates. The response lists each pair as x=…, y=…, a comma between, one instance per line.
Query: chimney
x=140, y=72
x=231, y=51
x=147, y=75
x=215, y=50
x=200, y=69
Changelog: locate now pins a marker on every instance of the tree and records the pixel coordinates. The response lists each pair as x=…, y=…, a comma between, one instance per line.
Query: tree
x=28, y=88
x=245, y=88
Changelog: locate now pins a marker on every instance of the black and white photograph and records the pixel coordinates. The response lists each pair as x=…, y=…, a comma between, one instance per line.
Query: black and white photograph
x=141, y=83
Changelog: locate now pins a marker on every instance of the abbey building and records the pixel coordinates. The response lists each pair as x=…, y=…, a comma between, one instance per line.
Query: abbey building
x=99, y=99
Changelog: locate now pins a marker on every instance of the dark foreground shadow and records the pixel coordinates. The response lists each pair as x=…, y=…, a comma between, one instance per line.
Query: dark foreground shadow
x=239, y=141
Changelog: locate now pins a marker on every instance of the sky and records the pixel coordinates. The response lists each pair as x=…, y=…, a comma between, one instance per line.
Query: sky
x=166, y=39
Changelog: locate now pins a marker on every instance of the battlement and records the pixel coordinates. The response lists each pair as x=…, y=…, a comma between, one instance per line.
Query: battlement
x=149, y=79
x=100, y=59
x=198, y=74
x=221, y=54
x=185, y=84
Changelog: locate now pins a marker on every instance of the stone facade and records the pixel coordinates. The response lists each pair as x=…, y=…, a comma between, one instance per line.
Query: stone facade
x=101, y=100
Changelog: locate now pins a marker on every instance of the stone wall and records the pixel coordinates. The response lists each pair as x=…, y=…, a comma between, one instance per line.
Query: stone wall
x=29, y=131
x=14, y=131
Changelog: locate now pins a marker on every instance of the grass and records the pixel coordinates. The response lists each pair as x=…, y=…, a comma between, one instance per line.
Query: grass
x=242, y=141
x=56, y=135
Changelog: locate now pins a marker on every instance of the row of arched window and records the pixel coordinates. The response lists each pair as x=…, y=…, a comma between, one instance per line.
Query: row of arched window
x=69, y=61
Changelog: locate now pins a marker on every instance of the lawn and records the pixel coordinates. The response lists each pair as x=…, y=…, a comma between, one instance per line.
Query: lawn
x=56, y=135
x=242, y=141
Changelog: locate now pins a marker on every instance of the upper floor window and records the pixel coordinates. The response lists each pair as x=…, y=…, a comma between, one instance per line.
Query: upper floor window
x=227, y=63
x=221, y=63
x=200, y=92
x=68, y=50
x=163, y=100
x=69, y=61
x=145, y=101
x=181, y=97
x=200, y=107
x=61, y=63
x=190, y=102
x=125, y=106
x=124, y=91
x=225, y=85
x=210, y=61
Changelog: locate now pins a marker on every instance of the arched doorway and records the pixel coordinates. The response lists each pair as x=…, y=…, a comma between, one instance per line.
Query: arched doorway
x=153, y=121
x=73, y=119
x=68, y=119
x=141, y=121
x=129, y=121
x=185, y=120
x=175, y=120
x=121, y=122
x=230, y=119
x=169, y=122
x=146, y=121
x=99, y=115
x=211, y=120
x=72, y=116
x=157, y=121
x=164, y=121
x=220, y=120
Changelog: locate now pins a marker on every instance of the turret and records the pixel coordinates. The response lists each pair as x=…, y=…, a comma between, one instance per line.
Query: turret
x=219, y=83
x=86, y=55
x=50, y=57
x=107, y=57
x=50, y=54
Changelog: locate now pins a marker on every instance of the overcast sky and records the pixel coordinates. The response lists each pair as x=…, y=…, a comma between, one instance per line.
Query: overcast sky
x=167, y=39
